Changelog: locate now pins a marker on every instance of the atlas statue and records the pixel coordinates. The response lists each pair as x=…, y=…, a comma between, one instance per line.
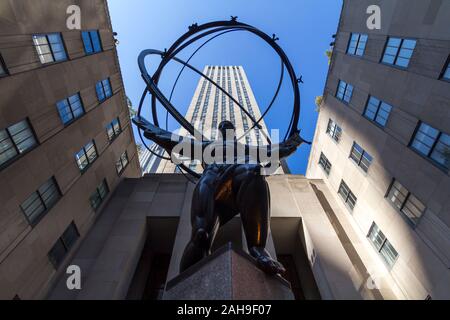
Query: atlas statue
x=235, y=184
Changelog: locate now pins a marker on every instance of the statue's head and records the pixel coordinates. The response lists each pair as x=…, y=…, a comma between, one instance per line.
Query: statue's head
x=227, y=130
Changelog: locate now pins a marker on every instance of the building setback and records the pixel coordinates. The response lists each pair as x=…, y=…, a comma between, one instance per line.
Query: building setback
x=65, y=137
x=382, y=142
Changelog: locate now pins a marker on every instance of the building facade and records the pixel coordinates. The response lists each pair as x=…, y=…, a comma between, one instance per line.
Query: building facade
x=382, y=141
x=65, y=136
x=149, y=160
x=210, y=106
x=134, y=249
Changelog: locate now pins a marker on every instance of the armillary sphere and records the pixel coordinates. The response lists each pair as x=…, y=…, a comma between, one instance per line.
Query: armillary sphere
x=212, y=30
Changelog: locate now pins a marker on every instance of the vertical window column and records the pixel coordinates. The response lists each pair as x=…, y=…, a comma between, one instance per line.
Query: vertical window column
x=200, y=97
x=216, y=106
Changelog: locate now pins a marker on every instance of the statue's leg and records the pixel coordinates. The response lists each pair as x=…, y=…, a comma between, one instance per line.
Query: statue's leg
x=205, y=223
x=254, y=205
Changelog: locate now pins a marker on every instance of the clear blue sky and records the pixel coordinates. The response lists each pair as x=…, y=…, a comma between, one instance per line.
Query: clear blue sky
x=304, y=27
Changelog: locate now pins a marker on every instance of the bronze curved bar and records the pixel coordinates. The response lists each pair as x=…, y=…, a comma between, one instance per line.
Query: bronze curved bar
x=224, y=189
x=210, y=28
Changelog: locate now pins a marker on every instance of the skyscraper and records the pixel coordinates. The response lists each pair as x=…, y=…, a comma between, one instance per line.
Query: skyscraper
x=209, y=106
x=149, y=159
x=382, y=141
x=65, y=137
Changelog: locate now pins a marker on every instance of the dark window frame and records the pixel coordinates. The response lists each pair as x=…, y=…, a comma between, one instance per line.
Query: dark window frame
x=66, y=246
x=345, y=92
x=394, y=63
x=357, y=44
x=444, y=70
x=192, y=165
x=115, y=134
x=326, y=166
x=350, y=195
x=51, y=49
x=432, y=148
x=19, y=154
x=335, y=134
x=359, y=161
x=98, y=195
x=89, y=32
x=44, y=204
x=404, y=203
x=382, y=245
x=86, y=155
x=106, y=97
x=4, y=67
x=123, y=167
x=380, y=102
x=71, y=109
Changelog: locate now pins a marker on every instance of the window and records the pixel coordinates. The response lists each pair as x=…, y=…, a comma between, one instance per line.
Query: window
x=398, y=51
x=63, y=245
x=103, y=89
x=357, y=44
x=324, y=163
x=360, y=157
x=433, y=144
x=382, y=245
x=70, y=108
x=91, y=41
x=193, y=165
x=333, y=130
x=347, y=195
x=86, y=156
x=344, y=91
x=446, y=72
x=16, y=140
x=49, y=47
x=113, y=129
x=40, y=201
x=377, y=111
x=122, y=162
x=406, y=202
x=3, y=70
x=99, y=195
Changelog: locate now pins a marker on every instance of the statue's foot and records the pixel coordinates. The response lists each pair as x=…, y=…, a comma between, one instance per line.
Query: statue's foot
x=269, y=266
x=266, y=262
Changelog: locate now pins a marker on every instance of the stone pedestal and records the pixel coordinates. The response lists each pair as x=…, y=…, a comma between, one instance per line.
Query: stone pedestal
x=228, y=274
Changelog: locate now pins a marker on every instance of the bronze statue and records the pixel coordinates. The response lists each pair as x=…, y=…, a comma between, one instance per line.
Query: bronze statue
x=225, y=190
x=226, y=187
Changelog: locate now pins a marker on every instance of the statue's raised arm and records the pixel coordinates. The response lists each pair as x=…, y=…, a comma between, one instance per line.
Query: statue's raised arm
x=288, y=147
x=279, y=150
x=168, y=140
